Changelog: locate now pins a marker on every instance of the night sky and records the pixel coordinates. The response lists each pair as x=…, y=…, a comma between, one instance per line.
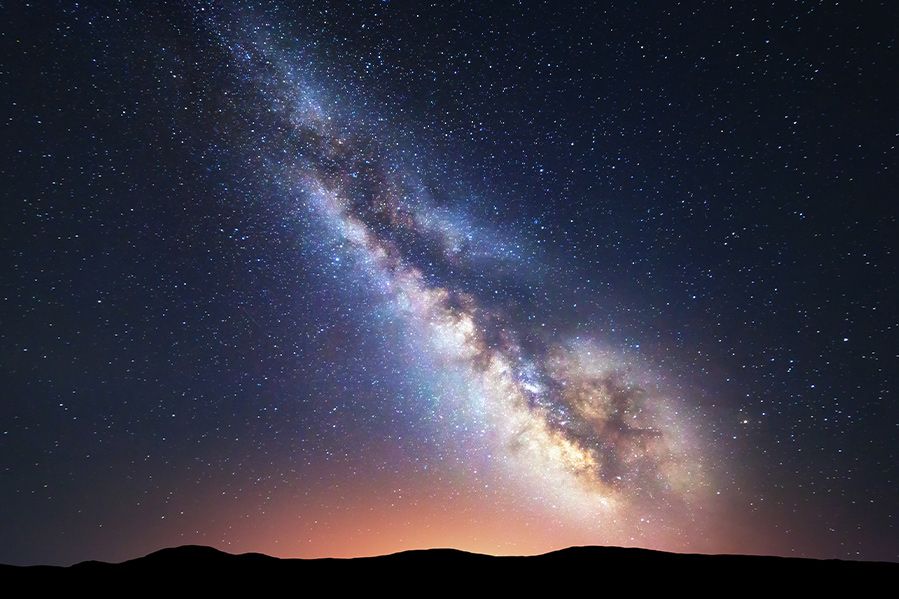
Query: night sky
x=341, y=279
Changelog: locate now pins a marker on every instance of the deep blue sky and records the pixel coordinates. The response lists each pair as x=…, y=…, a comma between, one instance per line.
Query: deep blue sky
x=706, y=189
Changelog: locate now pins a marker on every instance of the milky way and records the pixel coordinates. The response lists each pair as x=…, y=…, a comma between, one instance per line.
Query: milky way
x=331, y=279
x=563, y=415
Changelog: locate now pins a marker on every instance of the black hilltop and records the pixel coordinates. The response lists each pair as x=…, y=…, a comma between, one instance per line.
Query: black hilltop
x=603, y=566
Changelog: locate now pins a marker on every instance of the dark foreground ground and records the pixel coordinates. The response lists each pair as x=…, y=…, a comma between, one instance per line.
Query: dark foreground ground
x=596, y=569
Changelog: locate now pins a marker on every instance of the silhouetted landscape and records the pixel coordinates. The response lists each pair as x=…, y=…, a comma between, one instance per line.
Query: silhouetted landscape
x=620, y=565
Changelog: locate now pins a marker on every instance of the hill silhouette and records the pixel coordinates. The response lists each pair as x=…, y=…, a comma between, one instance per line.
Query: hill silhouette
x=607, y=567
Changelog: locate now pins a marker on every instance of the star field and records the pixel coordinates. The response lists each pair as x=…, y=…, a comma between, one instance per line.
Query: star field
x=315, y=279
